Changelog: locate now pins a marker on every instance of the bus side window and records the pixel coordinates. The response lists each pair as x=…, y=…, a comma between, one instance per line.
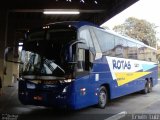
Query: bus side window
x=132, y=50
x=153, y=55
x=125, y=48
x=148, y=54
x=141, y=53
x=106, y=42
x=85, y=59
x=85, y=35
x=118, y=47
x=80, y=60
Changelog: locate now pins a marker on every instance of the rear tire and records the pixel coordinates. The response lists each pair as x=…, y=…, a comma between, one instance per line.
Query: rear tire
x=149, y=86
x=146, y=88
x=102, y=97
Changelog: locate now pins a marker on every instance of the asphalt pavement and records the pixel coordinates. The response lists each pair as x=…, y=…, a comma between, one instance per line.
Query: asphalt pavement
x=134, y=106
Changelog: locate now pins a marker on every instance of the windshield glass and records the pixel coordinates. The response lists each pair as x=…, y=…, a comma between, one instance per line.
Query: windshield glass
x=36, y=64
x=47, y=51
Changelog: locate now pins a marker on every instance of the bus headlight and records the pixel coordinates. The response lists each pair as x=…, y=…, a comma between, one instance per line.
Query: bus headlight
x=68, y=80
x=31, y=86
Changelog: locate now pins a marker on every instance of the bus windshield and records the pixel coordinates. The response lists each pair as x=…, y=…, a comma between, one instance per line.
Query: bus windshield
x=36, y=64
x=46, y=52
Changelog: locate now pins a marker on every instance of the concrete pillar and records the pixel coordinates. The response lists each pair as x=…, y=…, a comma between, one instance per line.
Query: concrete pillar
x=3, y=39
x=7, y=39
x=11, y=67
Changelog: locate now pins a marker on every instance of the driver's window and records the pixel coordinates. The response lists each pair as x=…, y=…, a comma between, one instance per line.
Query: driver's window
x=85, y=56
x=81, y=60
x=85, y=60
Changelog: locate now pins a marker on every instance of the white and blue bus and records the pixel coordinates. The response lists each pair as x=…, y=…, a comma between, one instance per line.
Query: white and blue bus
x=78, y=64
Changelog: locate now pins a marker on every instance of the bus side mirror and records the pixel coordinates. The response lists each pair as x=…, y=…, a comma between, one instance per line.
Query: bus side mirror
x=6, y=52
x=6, y=55
x=6, y=58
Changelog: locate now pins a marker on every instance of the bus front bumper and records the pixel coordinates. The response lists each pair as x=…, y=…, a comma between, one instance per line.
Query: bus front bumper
x=46, y=98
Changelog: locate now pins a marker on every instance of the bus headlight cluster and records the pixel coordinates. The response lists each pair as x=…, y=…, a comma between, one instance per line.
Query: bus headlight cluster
x=31, y=86
x=68, y=80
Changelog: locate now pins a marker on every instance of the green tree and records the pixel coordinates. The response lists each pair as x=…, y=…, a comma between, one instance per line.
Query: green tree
x=138, y=29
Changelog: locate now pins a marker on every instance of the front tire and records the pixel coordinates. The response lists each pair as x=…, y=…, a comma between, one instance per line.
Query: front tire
x=102, y=97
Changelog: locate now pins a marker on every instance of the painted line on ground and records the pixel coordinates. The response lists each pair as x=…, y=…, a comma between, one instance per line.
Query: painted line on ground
x=117, y=116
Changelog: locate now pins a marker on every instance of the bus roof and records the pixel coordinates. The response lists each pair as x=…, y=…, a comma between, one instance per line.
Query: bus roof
x=78, y=24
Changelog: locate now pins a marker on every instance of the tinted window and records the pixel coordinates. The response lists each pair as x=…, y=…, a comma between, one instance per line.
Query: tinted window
x=153, y=55
x=148, y=54
x=132, y=50
x=85, y=35
x=125, y=49
x=106, y=42
x=115, y=46
x=118, y=47
x=141, y=52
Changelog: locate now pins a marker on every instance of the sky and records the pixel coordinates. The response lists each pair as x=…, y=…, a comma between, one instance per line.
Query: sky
x=148, y=10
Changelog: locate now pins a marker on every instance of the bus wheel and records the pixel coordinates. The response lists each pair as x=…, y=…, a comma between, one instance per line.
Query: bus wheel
x=149, y=86
x=146, y=88
x=102, y=98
